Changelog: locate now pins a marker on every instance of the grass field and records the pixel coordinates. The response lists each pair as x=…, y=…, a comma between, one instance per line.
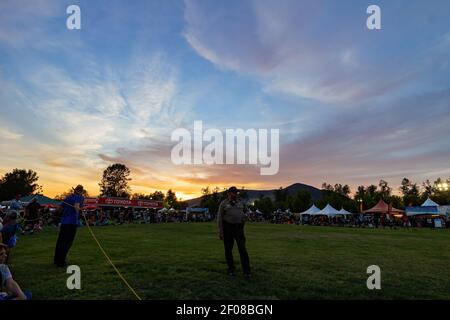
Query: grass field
x=185, y=261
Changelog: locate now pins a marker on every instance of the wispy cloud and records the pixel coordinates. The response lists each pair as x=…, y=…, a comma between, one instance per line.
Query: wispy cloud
x=352, y=105
x=315, y=50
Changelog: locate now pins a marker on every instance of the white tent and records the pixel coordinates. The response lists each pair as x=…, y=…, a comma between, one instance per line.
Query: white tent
x=327, y=211
x=345, y=212
x=429, y=203
x=311, y=210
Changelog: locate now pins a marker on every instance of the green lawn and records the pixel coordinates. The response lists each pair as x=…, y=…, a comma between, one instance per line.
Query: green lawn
x=185, y=261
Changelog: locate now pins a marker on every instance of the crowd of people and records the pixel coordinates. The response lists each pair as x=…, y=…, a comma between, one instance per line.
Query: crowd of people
x=27, y=219
x=361, y=221
x=353, y=220
x=32, y=217
x=9, y=227
x=121, y=216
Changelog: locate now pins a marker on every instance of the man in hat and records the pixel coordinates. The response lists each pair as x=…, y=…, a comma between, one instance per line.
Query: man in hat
x=69, y=223
x=231, y=218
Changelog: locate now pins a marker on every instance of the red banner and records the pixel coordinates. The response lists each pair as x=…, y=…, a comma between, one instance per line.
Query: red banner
x=120, y=202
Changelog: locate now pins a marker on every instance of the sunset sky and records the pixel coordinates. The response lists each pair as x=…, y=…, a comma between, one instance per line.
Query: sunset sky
x=353, y=105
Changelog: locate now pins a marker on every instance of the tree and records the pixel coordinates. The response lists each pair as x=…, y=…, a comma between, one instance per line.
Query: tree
x=141, y=196
x=326, y=186
x=396, y=202
x=243, y=194
x=211, y=199
x=360, y=192
x=69, y=192
x=171, y=199
x=19, y=181
x=442, y=191
x=428, y=189
x=280, y=196
x=342, y=190
x=385, y=190
x=410, y=192
x=114, y=182
x=265, y=205
x=157, y=196
x=372, y=190
x=301, y=202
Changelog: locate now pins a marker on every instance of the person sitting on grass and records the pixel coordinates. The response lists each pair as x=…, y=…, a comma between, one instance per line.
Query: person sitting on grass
x=31, y=216
x=9, y=230
x=38, y=226
x=102, y=219
x=9, y=289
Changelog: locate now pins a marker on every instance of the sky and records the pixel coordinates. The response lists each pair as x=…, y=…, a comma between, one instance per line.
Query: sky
x=353, y=105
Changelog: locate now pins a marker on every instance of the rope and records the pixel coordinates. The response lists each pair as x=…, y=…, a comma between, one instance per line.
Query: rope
x=109, y=260
x=30, y=220
x=107, y=257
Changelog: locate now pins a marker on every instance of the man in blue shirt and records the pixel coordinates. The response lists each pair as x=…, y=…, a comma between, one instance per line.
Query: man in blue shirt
x=69, y=223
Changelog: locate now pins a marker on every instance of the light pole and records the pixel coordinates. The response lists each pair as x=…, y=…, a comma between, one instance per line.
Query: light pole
x=443, y=186
x=360, y=204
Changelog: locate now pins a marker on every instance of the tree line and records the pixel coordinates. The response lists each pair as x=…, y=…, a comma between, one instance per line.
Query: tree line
x=339, y=196
x=116, y=177
x=114, y=183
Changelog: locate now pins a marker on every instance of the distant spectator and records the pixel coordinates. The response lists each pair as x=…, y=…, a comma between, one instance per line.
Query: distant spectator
x=31, y=216
x=16, y=205
x=9, y=230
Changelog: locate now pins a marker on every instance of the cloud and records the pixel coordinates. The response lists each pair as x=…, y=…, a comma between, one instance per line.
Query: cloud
x=352, y=105
x=318, y=50
x=26, y=24
x=6, y=133
x=67, y=119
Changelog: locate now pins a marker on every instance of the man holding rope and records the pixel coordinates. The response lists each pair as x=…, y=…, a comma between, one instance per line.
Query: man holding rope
x=69, y=223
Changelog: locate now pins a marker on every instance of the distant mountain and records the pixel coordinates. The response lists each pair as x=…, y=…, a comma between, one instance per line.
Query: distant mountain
x=256, y=194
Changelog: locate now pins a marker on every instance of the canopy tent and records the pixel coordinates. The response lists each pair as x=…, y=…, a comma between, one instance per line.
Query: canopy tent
x=383, y=208
x=313, y=209
x=422, y=210
x=41, y=199
x=327, y=211
x=429, y=207
x=345, y=212
x=429, y=203
x=444, y=210
x=197, y=210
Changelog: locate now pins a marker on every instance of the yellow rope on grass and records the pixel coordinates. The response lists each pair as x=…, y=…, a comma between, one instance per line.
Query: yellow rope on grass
x=110, y=261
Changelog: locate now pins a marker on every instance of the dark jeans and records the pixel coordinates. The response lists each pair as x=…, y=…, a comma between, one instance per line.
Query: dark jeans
x=233, y=232
x=65, y=240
